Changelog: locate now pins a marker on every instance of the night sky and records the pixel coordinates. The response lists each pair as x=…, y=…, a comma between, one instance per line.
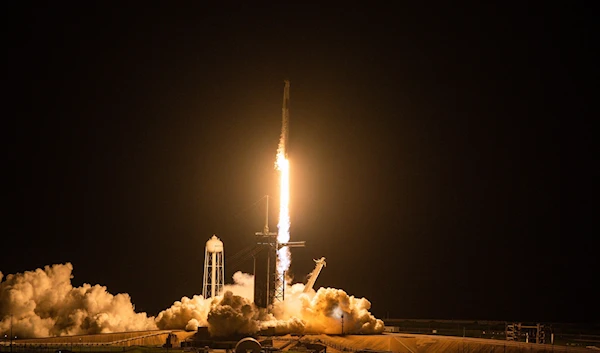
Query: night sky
x=440, y=155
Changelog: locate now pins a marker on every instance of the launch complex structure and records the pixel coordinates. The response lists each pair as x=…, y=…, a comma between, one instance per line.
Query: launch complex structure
x=269, y=283
x=271, y=250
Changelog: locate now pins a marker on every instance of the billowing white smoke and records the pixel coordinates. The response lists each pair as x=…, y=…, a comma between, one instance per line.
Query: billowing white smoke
x=243, y=285
x=322, y=312
x=44, y=303
x=214, y=312
x=313, y=312
x=185, y=314
x=233, y=315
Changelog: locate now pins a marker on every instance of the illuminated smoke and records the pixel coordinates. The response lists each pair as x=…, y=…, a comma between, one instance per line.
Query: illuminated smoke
x=243, y=285
x=321, y=311
x=233, y=315
x=233, y=312
x=44, y=303
x=190, y=313
x=185, y=314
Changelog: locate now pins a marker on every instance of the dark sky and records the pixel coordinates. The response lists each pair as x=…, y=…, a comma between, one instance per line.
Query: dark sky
x=439, y=155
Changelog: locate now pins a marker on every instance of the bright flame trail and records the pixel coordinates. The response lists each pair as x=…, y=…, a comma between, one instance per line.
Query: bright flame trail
x=283, y=165
x=283, y=235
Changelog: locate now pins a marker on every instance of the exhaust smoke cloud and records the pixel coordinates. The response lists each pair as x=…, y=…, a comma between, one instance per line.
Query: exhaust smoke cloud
x=44, y=303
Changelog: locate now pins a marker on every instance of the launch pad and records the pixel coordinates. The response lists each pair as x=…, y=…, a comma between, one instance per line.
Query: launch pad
x=382, y=343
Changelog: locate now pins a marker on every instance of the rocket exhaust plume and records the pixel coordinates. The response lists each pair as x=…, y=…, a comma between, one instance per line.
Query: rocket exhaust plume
x=44, y=303
x=283, y=165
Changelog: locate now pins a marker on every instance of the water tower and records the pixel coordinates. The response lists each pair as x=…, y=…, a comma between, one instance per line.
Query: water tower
x=214, y=268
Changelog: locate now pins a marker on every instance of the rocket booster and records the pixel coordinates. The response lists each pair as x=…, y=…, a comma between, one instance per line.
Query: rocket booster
x=285, y=119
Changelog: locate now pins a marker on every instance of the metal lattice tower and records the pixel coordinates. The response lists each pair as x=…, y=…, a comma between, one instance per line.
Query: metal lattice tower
x=279, y=287
x=214, y=268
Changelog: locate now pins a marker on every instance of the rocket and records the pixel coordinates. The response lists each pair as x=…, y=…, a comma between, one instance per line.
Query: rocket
x=285, y=119
x=282, y=155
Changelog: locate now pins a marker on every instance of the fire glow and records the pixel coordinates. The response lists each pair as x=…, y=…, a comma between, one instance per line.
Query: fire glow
x=282, y=164
x=283, y=235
